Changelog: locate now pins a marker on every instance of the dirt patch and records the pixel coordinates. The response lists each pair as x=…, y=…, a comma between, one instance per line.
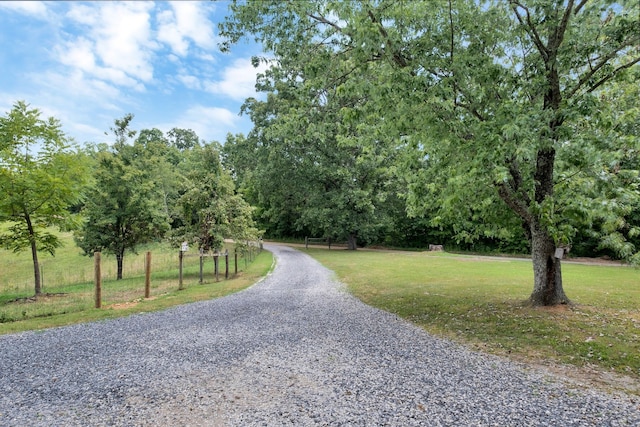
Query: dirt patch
x=129, y=304
x=596, y=261
x=588, y=376
x=555, y=309
x=122, y=305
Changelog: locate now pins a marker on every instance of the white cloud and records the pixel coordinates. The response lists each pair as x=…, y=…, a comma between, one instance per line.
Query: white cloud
x=77, y=88
x=187, y=20
x=209, y=123
x=191, y=82
x=118, y=44
x=34, y=8
x=238, y=80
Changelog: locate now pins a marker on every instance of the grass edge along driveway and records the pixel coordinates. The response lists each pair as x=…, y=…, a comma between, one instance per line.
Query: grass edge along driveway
x=481, y=302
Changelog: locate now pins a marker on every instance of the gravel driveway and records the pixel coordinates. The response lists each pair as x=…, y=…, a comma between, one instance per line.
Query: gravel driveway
x=295, y=349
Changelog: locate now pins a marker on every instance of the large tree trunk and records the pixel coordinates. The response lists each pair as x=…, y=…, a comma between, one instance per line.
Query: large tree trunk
x=352, y=242
x=547, y=275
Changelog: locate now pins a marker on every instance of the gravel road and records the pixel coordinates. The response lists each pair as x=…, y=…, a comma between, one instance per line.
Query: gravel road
x=295, y=349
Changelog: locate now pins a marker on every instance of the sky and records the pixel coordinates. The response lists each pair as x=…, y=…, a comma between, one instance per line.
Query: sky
x=89, y=63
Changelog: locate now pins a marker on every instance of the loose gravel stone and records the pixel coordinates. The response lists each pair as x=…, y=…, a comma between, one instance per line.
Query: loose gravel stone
x=295, y=349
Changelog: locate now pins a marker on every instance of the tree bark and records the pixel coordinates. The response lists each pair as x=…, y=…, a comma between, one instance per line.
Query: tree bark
x=352, y=242
x=120, y=261
x=547, y=274
x=34, y=255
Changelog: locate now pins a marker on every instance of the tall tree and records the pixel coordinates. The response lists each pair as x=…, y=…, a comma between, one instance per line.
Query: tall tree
x=183, y=139
x=493, y=99
x=316, y=172
x=40, y=178
x=125, y=207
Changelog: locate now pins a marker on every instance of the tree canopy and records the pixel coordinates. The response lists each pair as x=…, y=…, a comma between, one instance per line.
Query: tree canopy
x=210, y=208
x=125, y=206
x=500, y=108
x=40, y=178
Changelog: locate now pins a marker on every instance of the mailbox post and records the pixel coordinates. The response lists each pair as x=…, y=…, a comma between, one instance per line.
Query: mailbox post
x=183, y=248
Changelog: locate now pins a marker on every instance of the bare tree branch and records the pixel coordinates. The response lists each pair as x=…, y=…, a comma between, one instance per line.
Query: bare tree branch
x=595, y=68
x=558, y=35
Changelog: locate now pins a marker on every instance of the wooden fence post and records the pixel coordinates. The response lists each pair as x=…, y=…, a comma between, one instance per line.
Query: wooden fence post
x=98, y=279
x=226, y=264
x=201, y=264
x=235, y=256
x=306, y=243
x=180, y=269
x=215, y=264
x=147, y=276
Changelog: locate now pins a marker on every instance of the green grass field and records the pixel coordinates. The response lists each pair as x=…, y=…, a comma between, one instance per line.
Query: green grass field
x=69, y=287
x=482, y=303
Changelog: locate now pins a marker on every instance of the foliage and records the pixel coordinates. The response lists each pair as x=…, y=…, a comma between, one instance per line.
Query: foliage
x=210, y=209
x=156, y=154
x=125, y=206
x=309, y=168
x=495, y=104
x=40, y=178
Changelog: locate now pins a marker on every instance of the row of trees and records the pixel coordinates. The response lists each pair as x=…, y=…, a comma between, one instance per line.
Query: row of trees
x=485, y=119
x=143, y=187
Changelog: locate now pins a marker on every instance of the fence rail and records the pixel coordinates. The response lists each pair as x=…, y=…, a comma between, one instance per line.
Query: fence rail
x=321, y=241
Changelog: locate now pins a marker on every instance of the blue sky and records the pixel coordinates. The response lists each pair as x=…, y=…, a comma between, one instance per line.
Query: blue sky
x=88, y=63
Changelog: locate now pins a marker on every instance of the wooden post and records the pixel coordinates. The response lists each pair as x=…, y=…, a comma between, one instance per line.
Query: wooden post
x=147, y=276
x=98, y=278
x=235, y=255
x=215, y=265
x=180, y=269
x=201, y=264
x=226, y=264
x=306, y=243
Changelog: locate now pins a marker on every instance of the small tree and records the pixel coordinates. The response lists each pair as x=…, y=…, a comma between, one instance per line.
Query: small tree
x=211, y=209
x=124, y=209
x=40, y=178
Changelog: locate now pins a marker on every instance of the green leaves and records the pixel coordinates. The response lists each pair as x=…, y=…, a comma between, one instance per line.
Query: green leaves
x=492, y=114
x=210, y=209
x=40, y=178
x=125, y=206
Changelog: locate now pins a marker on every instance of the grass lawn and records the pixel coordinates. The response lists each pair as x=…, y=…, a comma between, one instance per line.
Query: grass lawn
x=482, y=303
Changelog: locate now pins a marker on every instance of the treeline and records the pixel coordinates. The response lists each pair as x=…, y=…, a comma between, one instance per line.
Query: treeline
x=141, y=187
